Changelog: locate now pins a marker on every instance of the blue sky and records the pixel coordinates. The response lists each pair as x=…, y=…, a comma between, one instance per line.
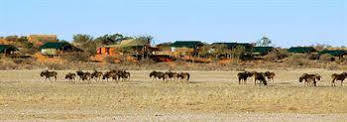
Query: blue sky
x=286, y=22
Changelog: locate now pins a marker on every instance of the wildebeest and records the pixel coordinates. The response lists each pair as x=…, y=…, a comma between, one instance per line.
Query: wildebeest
x=259, y=76
x=123, y=74
x=153, y=74
x=243, y=76
x=110, y=74
x=172, y=75
x=338, y=77
x=183, y=75
x=308, y=78
x=96, y=75
x=70, y=76
x=116, y=75
x=160, y=75
x=83, y=75
x=270, y=75
x=48, y=74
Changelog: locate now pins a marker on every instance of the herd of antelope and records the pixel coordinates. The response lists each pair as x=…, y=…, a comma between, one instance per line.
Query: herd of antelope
x=308, y=79
x=115, y=75
x=170, y=75
x=261, y=77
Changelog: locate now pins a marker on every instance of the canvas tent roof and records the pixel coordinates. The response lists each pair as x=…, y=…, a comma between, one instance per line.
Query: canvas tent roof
x=334, y=52
x=3, y=48
x=262, y=50
x=234, y=44
x=60, y=46
x=188, y=44
x=301, y=49
x=130, y=43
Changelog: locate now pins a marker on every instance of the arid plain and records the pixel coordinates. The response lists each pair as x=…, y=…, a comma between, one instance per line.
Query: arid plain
x=210, y=95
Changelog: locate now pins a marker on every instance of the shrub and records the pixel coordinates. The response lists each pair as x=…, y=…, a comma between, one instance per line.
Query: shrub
x=7, y=63
x=300, y=60
x=326, y=58
x=110, y=59
x=56, y=66
x=76, y=56
x=276, y=55
x=313, y=56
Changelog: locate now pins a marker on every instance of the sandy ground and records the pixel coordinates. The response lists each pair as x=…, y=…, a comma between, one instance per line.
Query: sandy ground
x=244, y=117
x=284, y=78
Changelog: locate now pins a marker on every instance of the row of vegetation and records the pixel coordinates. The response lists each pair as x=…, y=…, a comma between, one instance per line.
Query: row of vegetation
x=239, y=56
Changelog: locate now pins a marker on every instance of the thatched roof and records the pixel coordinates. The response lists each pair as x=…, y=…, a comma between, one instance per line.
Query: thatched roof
x=130, y=43
x=43, y=38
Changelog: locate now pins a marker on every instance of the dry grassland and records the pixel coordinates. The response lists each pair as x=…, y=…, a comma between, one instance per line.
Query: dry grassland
x=24, y=95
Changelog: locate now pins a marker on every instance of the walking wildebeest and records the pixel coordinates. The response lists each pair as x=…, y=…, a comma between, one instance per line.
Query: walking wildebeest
x=123, y=74
x=163, y=76
x=172, y=75
x=153, y=74
x=338, y=77
x=243, y=76
x=159, y=75
x=83, y=75
x=48, y=74
x=259, y=76
x=308, y=78
x=183, y=75
x=96, y=75
x=270, y=75
x=110, y=74
x=70, y=76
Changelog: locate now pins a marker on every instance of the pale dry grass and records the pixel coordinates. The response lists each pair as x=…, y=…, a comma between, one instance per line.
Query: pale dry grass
x=23, y=95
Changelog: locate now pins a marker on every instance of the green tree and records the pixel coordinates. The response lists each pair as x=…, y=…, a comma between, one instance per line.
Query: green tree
x=221, y=49
x=264, y=41
x=86, y=42
x=145, y=38
x=145, y=51
x=80, y=39
x=205, y=51
x=238, y=52
x=112, y=39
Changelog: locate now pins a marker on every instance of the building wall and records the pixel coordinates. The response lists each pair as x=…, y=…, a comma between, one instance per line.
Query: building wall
x=107, y=51
x=49, y=51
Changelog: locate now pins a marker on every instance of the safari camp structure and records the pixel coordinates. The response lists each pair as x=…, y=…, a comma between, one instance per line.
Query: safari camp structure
x=262, y=51
x=8, y=49
x=335, y=53
x=302, y=50
x=135, y=47
x=57, y=48
x=188, y=48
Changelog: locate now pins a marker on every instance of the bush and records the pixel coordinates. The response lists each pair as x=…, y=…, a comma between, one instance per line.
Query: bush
x=110, y=59
x=313, y=56
x=7, y=63
x=76, y=56
x=298, y=60
x=56, y=66
x=326, y=58
x=276, y=55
